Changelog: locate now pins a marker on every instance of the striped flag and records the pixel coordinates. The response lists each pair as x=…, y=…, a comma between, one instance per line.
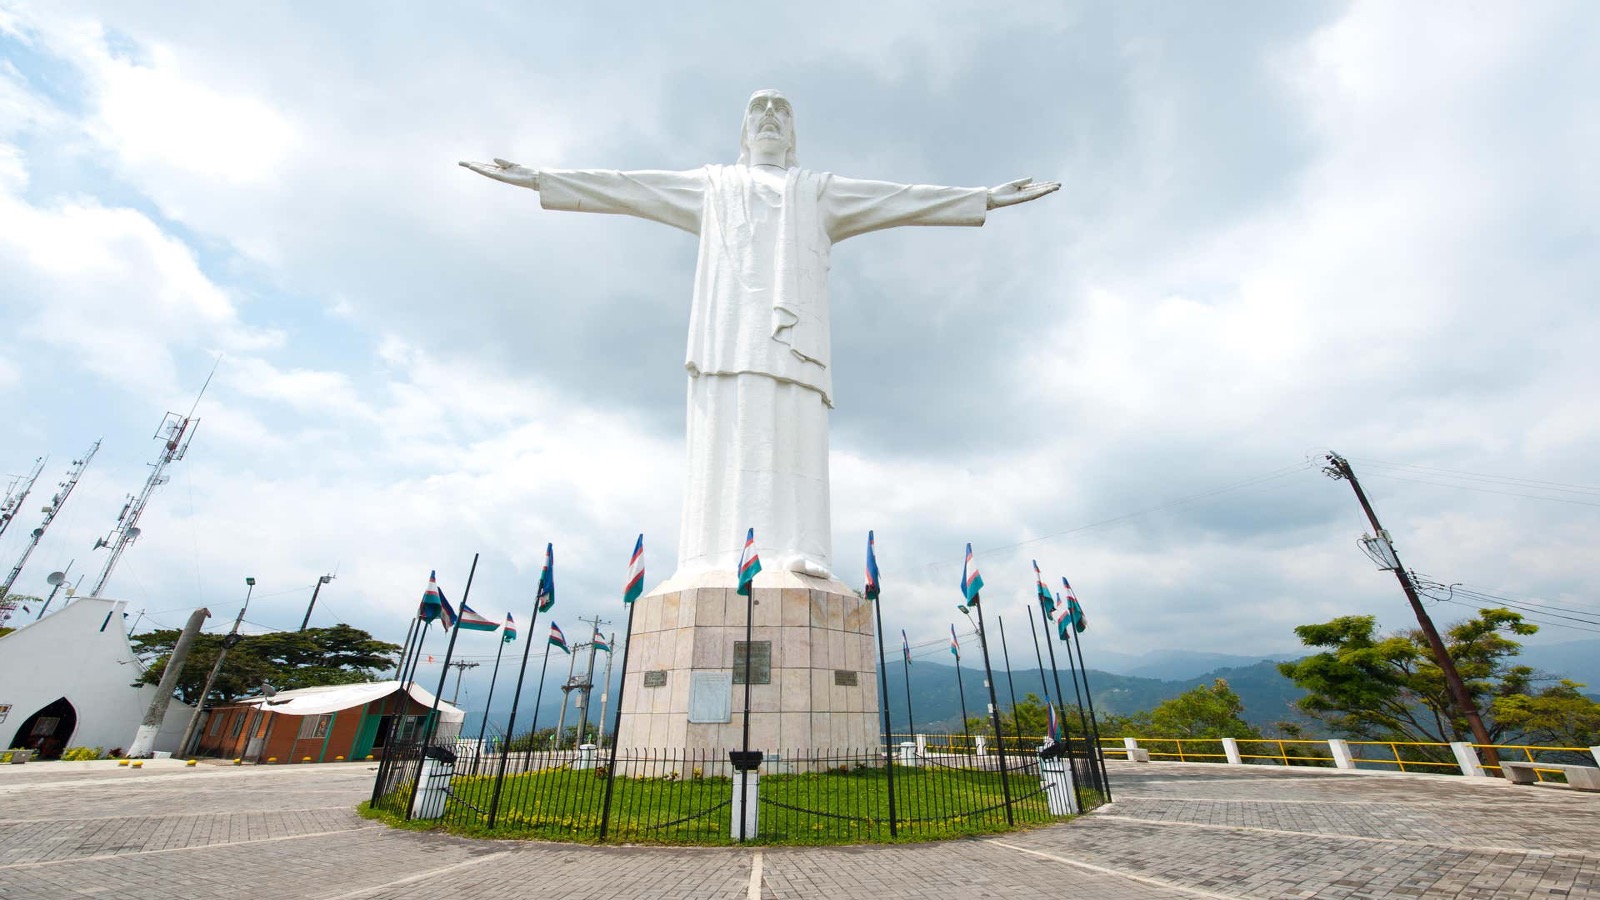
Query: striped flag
x=905, y=646
x=557, y=639
x=635, y=585
x=508, y=631
x=1046, y=602
x=749, y=564
x=546, y=597
x=447, y=613
x=1055, y=726
x=971, y=581
x=871, y=590
x=471, y=621
x=600, y=643
x=429, y=610
x=955, y=645
x=1073, y=613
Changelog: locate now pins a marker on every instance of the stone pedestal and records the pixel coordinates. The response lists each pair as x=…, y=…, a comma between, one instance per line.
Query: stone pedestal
x=821, y=693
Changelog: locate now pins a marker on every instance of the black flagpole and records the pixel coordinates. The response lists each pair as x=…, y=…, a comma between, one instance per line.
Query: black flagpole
x=516, y=698
x=432, y=723
x=963, y=692
x=1066, y=737
x=883, y=684
x=489, y=703
x=1005, y=654
x=994, y=712
x=616, y=727
x=911, y=722
x=1083, y=719
x=1094, y=723
x=388, y=730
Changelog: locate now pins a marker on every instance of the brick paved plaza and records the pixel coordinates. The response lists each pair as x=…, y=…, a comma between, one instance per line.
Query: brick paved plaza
x=91, y=830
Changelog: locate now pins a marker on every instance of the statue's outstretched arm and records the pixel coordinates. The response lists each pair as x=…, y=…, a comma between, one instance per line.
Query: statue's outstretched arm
x=1009, y=194
x=507, y=171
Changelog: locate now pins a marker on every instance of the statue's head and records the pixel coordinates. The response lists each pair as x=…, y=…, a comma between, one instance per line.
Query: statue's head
x=768, y=124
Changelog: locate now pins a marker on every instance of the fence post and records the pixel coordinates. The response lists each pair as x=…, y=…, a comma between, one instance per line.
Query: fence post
x=922, y=745
x=982, y=744
x=1230, y=747
x=750, y=815
x=908, y=754
x=1467, y=759
x=1340, y=749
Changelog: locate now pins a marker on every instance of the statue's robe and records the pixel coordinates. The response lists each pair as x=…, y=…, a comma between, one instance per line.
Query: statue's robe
x=760, y=383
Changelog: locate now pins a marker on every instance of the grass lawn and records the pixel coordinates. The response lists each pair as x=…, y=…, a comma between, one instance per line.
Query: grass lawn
x=835, y=807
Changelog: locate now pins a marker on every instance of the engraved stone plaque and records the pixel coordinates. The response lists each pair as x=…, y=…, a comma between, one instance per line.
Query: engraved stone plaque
x=760, y=662
x=845, y=678
x=655, y=678
x=710, y=697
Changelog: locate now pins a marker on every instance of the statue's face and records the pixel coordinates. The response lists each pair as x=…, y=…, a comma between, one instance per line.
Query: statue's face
x=769, y=121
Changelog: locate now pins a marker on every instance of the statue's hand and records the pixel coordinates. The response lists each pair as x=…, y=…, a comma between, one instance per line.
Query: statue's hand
x=1020, y=191
x=507, y=171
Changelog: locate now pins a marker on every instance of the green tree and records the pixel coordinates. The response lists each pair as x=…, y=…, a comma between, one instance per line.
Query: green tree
x=285, y=659
x=20, y=605
x=1389, y=688
x=1205, y=711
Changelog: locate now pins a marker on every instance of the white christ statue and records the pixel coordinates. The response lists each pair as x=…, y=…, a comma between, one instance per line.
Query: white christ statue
x=760, y=382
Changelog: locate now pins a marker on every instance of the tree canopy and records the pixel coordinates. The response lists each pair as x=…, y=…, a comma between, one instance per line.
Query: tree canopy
x=1390, y=688
x=1204, y=711
x=285, y=659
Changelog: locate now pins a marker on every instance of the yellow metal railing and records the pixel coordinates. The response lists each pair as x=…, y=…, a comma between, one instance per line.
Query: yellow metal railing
x=1527, y=752
x=1405, y=756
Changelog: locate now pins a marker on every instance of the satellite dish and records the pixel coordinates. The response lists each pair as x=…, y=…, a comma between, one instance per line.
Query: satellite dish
x=72, y=592
x=268, y=690
x=134, y=532
x=56, y=578
x=99, y=542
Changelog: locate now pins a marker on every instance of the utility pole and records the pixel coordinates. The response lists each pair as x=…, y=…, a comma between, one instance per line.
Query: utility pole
x=150, y=727
x=586, y=686
x=566, y=688
x=313, y=604
x=461, y=666
x=216, y=669
x=1381, y=548
x=605, y=690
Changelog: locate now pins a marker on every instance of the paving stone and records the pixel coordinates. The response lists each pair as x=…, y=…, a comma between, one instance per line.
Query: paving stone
x=1176, y=830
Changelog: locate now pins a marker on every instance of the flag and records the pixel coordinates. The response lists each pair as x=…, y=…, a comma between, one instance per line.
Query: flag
x=749, y=564
x=447, y=614
x=429, y=610
x=508, y=631
x=600, y=643
x=971, y=581
x=1046, y=602
x=1064, y=620
x=1073, y=614
x=905, y=646
x=635, y=585
x=871, y=590
x=557, y=639
x=1054, y=726
x=955, y=645
x=471, y=621
x=546, y=597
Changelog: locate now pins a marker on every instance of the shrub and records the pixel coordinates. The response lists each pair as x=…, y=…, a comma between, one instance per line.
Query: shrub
x=77, y=754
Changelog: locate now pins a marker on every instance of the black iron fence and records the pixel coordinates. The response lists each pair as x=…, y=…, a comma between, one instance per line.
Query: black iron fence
x=687, y=796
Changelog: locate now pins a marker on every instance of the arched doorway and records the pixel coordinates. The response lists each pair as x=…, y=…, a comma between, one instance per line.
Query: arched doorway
x=47, y=731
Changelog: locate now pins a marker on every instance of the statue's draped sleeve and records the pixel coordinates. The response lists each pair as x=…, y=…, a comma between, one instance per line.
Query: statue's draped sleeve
x=853, y=206
x=671, y=198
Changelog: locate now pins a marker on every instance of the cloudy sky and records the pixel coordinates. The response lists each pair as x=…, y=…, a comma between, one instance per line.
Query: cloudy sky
x=1284, y=228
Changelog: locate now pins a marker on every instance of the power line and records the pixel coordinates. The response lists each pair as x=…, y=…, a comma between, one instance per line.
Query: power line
x=1500, y=479
x=1483, y=490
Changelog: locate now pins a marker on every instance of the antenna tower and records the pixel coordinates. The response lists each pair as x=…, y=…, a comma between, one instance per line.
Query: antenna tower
x=15, y=494
x=174, y=434
x=50, y=511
